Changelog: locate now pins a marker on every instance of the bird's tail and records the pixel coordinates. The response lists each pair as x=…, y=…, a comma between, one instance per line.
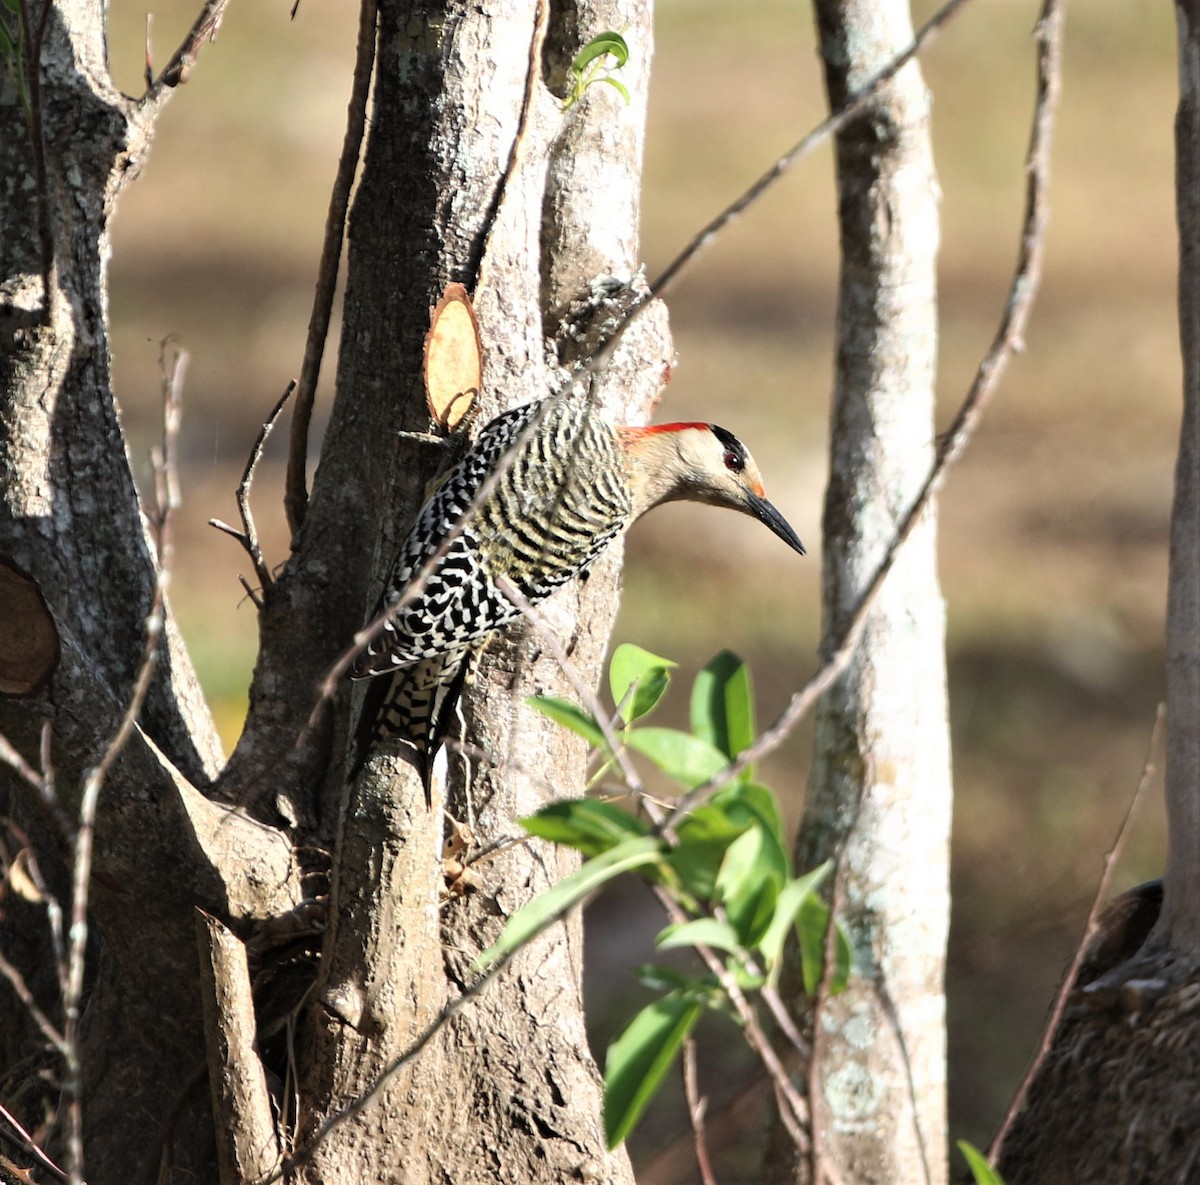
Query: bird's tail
x=414, y=705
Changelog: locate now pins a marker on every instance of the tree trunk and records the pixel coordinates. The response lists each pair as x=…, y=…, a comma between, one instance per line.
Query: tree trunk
x=1179, y=926
x=473, y=172
x=879, y=801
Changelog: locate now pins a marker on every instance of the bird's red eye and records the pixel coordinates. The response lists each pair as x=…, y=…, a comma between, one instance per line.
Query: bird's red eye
x=734, y=461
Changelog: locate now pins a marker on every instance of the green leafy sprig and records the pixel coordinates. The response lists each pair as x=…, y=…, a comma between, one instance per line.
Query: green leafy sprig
x=596, y=62
x=726, y=868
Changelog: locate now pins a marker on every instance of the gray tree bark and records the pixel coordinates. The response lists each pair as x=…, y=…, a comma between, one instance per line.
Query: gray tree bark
x=473, y=173
x=880, y=793
x=1179, y=926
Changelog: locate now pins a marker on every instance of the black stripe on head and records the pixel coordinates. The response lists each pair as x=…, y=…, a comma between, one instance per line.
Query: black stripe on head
x=735, y=450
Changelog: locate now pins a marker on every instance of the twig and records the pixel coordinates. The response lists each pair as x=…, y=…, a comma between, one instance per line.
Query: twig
x=179, y=68
x=253, y=593
x=825, y=130
x=828, y=969
x=248, y=536
x=148, y=71
x=81, y=882
x=165, y=459
x=295, y=500
x=1009, y=339
x=1054, y=1020
x=697, y=1106
x=17, y=982
x=793, y=1110
x=39, y=782
x=29, y=1144
x=93, y=782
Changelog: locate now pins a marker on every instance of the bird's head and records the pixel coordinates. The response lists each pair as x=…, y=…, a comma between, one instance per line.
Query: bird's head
x=699, y=463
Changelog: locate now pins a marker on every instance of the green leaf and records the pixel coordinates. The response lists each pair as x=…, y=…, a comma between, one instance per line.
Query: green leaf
x=640, y=1057
x=700, y=932
x=637, y=680
x=8, y=50
x=983, y=1172
x=787, y=909
x=812, y=924
x=617, y=86
x=552, y=904
x=749, y=800
x=722, y=708
x=762, y=859
x=584, y=823
x=687, y=759
x=603, y=43
x=748, y=883
x=664, y=979
x=571, y=716
x=701, y=841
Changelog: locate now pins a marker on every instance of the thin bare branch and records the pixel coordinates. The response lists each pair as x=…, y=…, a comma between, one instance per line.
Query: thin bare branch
x=172, y=362
x=253, y=593
x=221, y=525
x=81, y=881
x=16, y=981
x=179, y=68
x=29, y=1144
x=1059, y=1007
x=1009, y=340
x=697, y=1106
x=248, y=536
x=93, y=782
x=793, y=1109
x=295, y=501
x=824, y=131
x=824, y=987
x=42, y=783
x=148, y=69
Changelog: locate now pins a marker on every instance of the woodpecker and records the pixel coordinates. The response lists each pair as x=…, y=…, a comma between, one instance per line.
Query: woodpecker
x=567, y=482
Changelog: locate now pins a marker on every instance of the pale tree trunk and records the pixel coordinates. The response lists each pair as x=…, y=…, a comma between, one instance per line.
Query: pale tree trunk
x=879, y=801
x=1107, y=1102
x=472, y=173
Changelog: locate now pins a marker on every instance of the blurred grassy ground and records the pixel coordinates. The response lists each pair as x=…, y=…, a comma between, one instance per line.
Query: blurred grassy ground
x=1054, y=529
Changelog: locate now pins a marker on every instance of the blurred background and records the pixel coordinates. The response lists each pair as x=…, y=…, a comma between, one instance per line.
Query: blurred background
x=1054, y=529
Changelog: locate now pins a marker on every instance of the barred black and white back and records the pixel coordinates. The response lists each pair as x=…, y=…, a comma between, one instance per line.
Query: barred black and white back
x=562, y=499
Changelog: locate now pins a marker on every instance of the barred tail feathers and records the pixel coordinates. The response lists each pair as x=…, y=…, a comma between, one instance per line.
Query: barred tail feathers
x=414, y=705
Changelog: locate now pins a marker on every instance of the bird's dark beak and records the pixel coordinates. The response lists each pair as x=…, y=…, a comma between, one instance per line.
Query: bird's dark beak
x=765, y=512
